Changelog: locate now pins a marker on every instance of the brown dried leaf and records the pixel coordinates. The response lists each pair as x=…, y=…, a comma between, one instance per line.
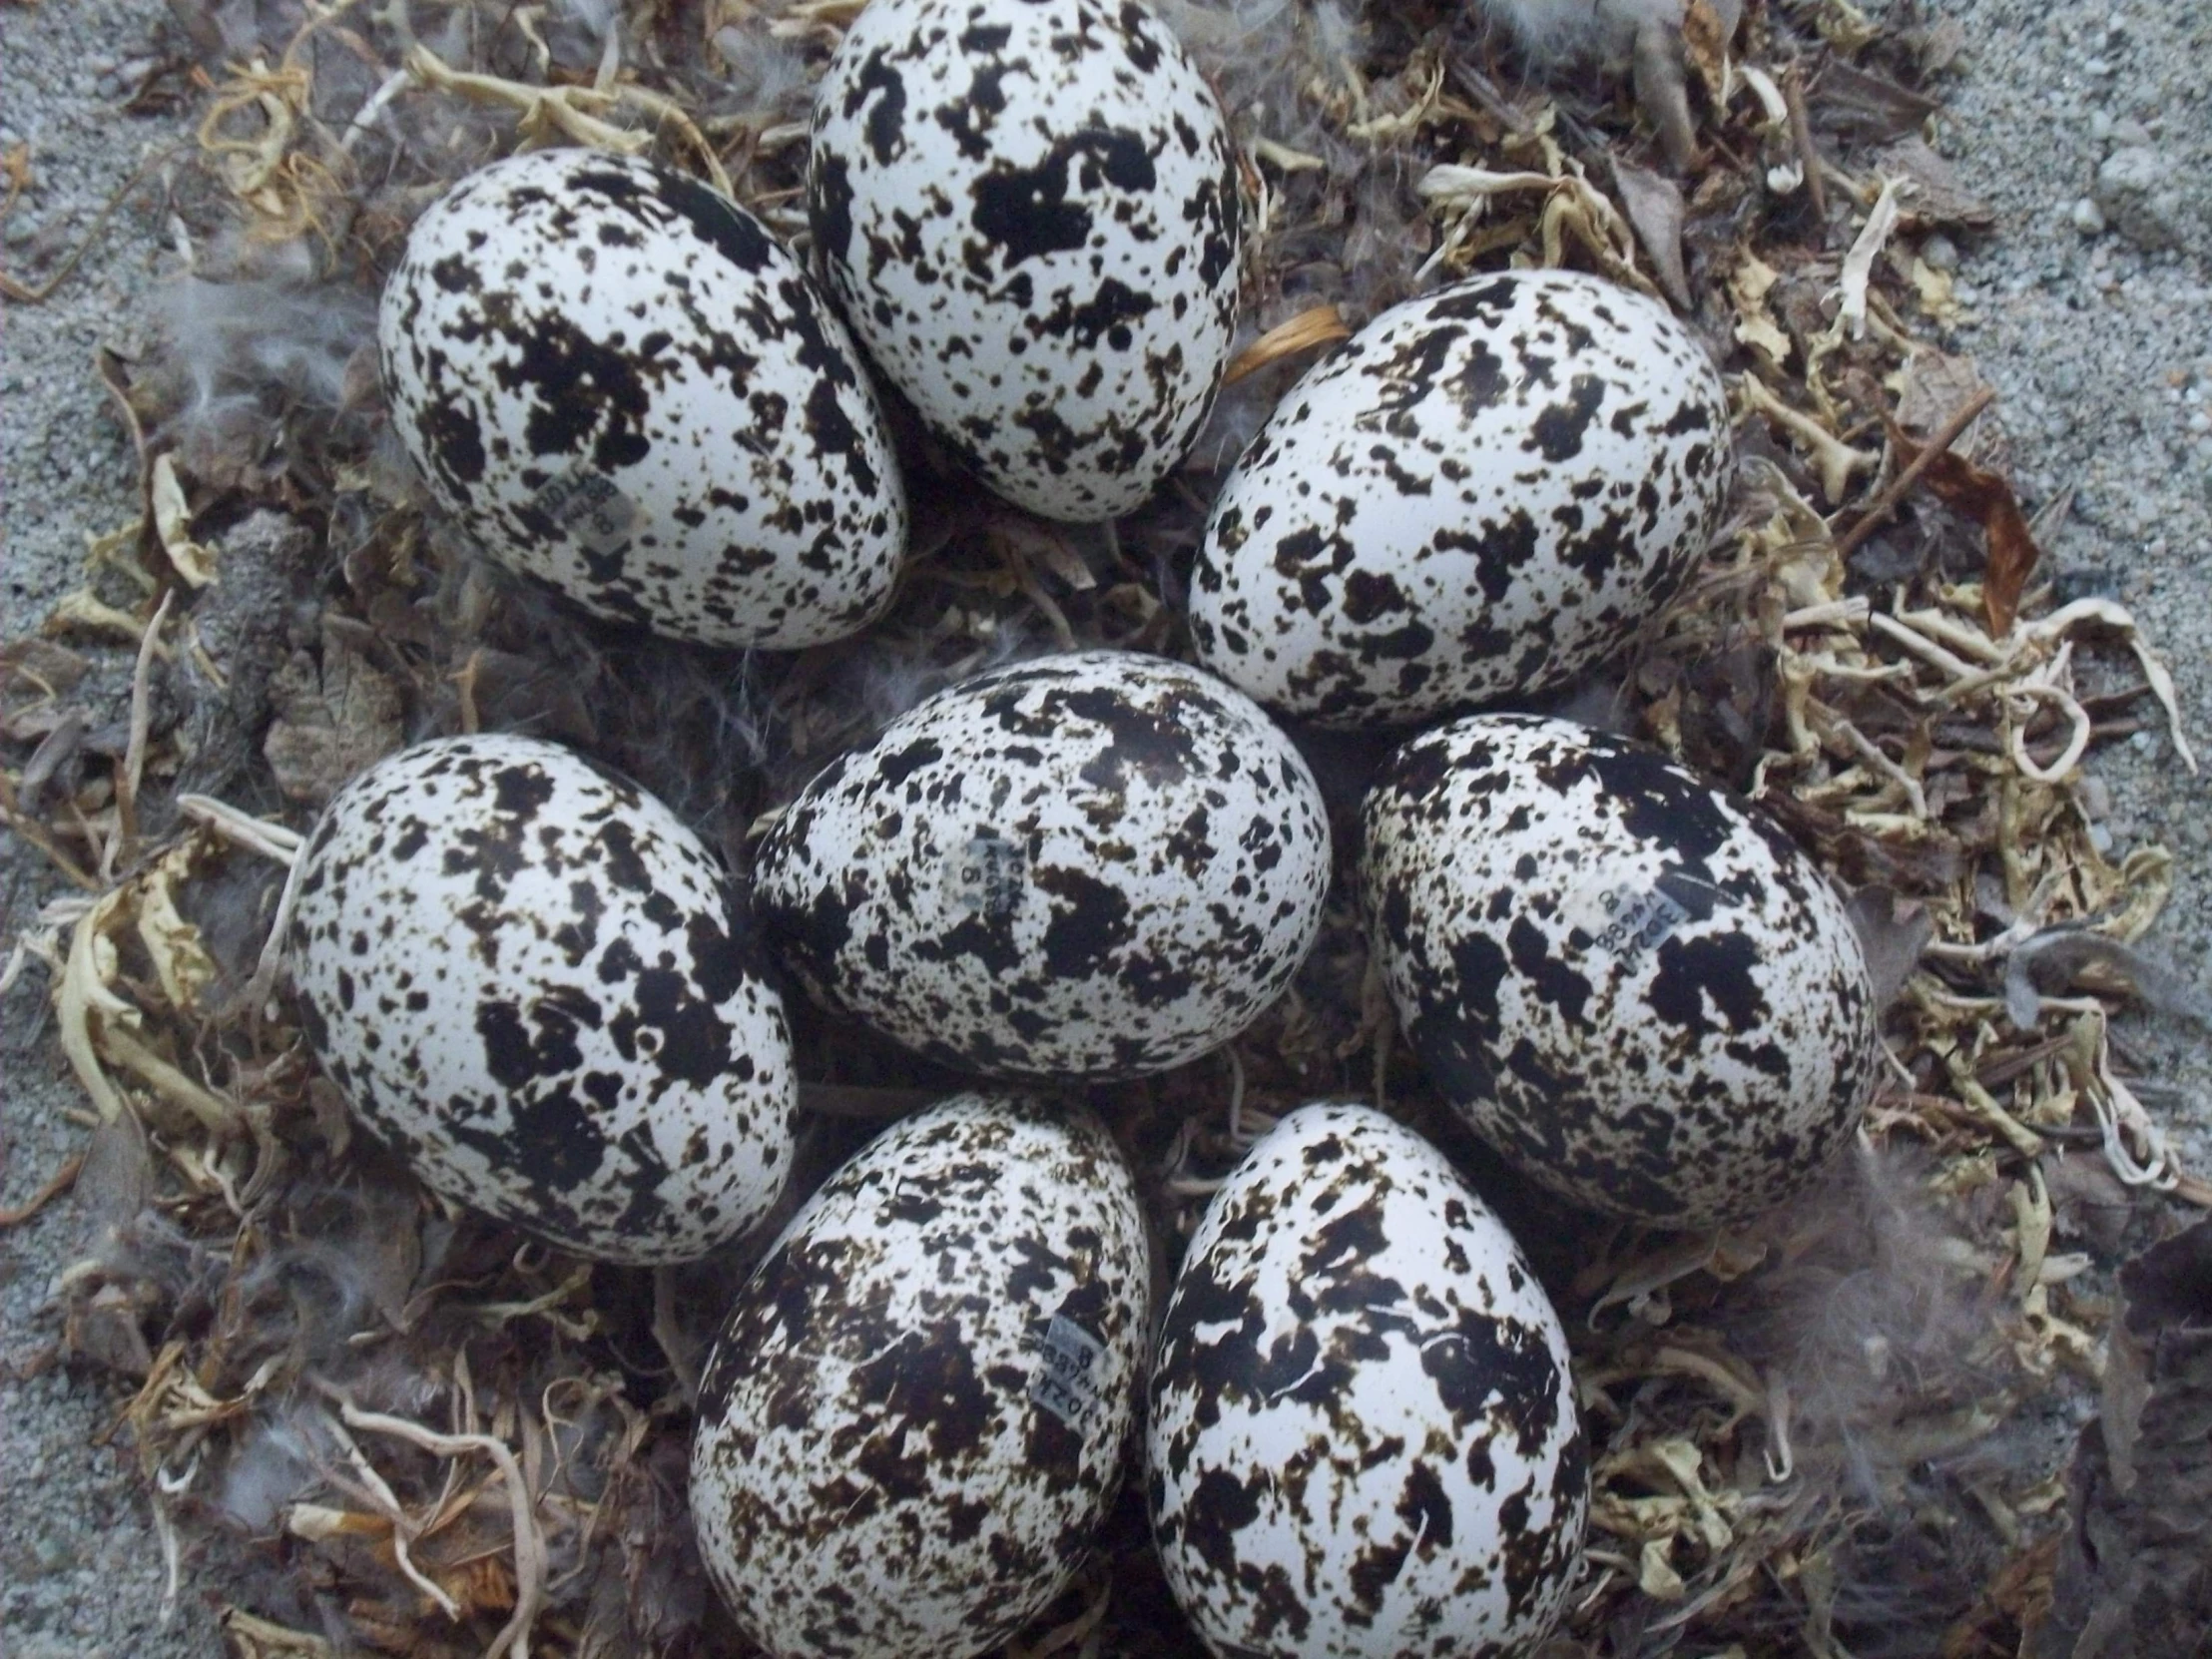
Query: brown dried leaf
x=1939, y=196
x=1891, y=934
x=1654, y=206
x=33, y=668
x=1937, y=47
x=117, y=1180
x=1862, y=108
x=104, y=1330
x=1938, y=385
x=2134, y=1573
x=1706, y=28
x=332, y=719
x=1987, y=498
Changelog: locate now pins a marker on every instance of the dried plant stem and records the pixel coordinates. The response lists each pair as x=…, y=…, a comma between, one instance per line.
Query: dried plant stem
x=1319, y=325
x=1801, y=135
x=1887, y=503
x=529, y=1541
x=258, y=988
x=18, y=294
x=272, y=840
x=63, y=1179
x=1835, y=459
x=133, y=773
x=668, y=1331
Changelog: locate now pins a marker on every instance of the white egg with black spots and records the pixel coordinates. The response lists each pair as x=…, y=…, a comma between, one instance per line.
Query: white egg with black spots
x=1029, y=211
x=1635, y=987
x=1362, y=1438
x=620, y=383
x=916, y=1414
x=1487, y=490
x=525, y=976
x=1091, y=866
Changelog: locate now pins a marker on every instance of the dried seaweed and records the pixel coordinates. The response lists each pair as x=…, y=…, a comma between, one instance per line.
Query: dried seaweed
x=448, y=1439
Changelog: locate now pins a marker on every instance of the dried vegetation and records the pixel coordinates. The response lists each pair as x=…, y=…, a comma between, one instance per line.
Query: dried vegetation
x=1845, y=1429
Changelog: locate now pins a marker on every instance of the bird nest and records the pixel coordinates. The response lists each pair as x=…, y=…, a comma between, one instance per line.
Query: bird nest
x=1848, y=1428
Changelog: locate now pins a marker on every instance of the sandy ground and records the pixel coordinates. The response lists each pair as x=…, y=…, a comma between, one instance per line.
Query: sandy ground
x=2101, y=349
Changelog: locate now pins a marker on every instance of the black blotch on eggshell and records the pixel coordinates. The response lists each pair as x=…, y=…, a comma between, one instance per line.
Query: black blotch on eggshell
x=1482, y=493
x=1098, y=864
x=1640, y=992
x=524, y=976
x=620, y=383
x=1361, y=1428
x=880, y=1466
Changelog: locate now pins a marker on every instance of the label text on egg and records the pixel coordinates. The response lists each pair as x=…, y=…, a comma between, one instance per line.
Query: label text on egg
x=590, y=509
x=1066, y=1380
x=1625, y=921
x=986, y=875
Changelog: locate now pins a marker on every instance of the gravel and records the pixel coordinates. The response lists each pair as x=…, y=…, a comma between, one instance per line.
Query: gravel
x=81, y=1568
x=2094, y=325
x=2086, y=127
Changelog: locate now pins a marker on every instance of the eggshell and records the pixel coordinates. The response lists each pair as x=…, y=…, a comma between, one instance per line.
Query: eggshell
x=1363, y=1434
x=1634, y=986
x=916, y=1414
x=1097, y=865
x=1485, y=491
x=1029, y=211
x=620, y=383
x=526, y=976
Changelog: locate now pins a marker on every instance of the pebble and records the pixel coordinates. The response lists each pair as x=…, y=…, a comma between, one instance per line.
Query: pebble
x=2086, y=216
x=2135, y=189
x=1939, y=253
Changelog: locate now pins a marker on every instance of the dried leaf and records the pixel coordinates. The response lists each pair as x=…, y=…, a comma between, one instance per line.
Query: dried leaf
x=34, y=667
x=1987, y=499
x=1891, y=932
x=1862, y=108
x=1939, y=196
x=2134, y=1573
x=173, y=525
x=103, y=1328
x=117, y=1180
x=1749, y=283
x=332, y=721
x=1706, y=29
x=1938, y=385
x=181, y=961
x=1654, y=206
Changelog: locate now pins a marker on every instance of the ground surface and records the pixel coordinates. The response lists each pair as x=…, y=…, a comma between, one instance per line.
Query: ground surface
x=2101, y=352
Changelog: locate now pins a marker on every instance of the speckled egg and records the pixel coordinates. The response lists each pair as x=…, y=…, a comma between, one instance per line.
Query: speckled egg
x=1485, y=491
x=618, y=383
x=1362, y=1440
x=916, y=1414
x=524, y=976
x=1091, y=866
x=1028, y=210
x=1634, y=986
